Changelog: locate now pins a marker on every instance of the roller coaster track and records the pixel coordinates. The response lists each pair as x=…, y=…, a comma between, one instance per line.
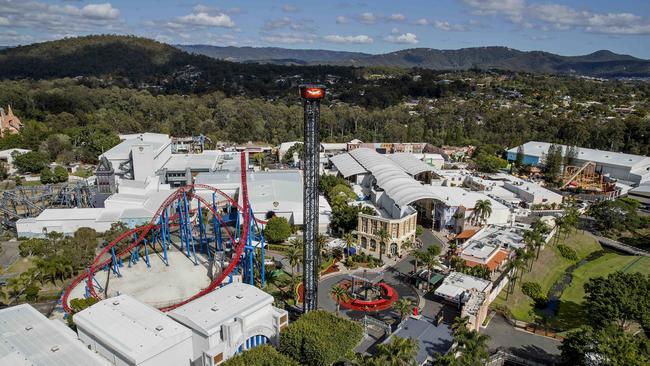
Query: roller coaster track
x=30, y=201
x=188, y=192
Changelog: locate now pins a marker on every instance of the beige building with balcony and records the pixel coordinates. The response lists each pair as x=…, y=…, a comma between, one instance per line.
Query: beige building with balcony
x=399, y=231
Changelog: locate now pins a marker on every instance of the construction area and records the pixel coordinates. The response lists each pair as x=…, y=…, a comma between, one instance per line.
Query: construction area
x=585, y=179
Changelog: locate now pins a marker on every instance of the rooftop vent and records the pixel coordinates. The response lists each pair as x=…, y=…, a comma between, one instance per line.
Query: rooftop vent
x=54, y=349
x=239, y=296
x=214, y=308
x=159, y=328
x=116, y=302
x=28, y=327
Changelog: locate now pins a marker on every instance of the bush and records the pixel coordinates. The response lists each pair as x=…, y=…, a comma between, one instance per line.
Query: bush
x=261, y=356
x=46, y=176
x=60, y=174
x=320, y=338
x=534, y=291
x=567, y=252
x=30, y=162
x=277, y=230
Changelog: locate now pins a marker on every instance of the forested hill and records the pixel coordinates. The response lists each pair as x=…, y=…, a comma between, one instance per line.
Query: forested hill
x=601, y=63
x=133, y=62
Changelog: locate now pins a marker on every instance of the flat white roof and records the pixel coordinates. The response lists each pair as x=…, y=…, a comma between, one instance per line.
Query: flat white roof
x=27, y=337
x=69, y=214
x=207, y=313
x=479, y=249
x=456, y=196
x=133, y=329
x=506, y=236
x=122, y=150
x=456, y=283
x=539, y=149
x=206, y=161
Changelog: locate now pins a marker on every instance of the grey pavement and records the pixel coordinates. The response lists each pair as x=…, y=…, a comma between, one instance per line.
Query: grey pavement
x=518, y=342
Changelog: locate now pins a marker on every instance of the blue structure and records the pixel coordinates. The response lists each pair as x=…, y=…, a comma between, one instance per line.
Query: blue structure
x=528, y=159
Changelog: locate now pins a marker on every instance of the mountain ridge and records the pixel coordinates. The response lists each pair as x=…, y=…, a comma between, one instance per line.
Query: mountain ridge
x=603, y=63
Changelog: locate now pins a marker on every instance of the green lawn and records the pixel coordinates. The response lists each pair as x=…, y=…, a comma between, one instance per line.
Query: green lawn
x=547, y=269
x=608, y=263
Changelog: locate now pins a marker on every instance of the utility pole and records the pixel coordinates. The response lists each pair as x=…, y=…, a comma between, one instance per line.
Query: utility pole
x=311, y=95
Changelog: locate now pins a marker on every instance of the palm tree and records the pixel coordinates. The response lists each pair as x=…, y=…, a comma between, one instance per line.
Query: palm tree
x=405, y=307
x=383, y=238
x=431, y=262
x=473, y=348
x=460, y=324
x=339, y=293
x=294, y=256
x=482, y=210
x=399, y=352
x=349, y=239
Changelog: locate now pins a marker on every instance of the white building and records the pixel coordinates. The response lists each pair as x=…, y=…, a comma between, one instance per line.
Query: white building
x=457, y=286
x=452, y=200
x=28, y=338
x=139, y=156
x=436, y=161
x=7, y=156
x=229, y=320
x=128, y=332
x=627, y=168
x=533, y=193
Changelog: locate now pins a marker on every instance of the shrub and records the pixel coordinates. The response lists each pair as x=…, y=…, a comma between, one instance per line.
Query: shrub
x=567, y=252
x=277, y=230
x=320, y=338
x=534, y=291
x=261, y=356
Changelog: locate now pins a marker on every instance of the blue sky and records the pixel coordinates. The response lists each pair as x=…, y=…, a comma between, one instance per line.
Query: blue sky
x=567, y=27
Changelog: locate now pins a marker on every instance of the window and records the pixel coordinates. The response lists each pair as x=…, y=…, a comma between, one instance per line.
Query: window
x=364, y=242
x=373, y=245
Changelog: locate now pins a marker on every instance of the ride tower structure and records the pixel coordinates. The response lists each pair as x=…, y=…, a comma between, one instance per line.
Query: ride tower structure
x=312, y=94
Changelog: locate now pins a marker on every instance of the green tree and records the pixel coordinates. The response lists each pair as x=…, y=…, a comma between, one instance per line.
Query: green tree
x=60, y=174
x=350, y=239
x=553, y=162
x=486, y=163
x=46, y=176
x=398, y=352
x=620, y=298
x=30, y=162
x=294, y=256
x=519, y=160
x=261, y=356
x=609, y=346
x=319, y=338
x=4, y=171
x=482, y=211
x=383, y=236
x=339, y=293
x=404, y=307
x=277, y=230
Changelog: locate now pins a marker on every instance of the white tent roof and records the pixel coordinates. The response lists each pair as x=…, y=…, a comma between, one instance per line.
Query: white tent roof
x=347, y=165
x=410, y=163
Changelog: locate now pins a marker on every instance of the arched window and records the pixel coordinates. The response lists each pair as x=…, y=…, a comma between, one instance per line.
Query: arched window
x=373, y=245
x=252, y=342
x=364, y=242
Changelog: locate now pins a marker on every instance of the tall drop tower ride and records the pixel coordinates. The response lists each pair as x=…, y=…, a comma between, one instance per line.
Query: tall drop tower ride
x=311, y=95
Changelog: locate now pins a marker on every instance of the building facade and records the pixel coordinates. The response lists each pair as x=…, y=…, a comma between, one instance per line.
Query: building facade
x=399, y=231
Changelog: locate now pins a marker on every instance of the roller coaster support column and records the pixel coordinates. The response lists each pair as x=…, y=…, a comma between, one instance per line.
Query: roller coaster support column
x=203, y=235
x=311, y=95
x=163, y=235
x=189, y=237
x=216, y=226
x=116, y=268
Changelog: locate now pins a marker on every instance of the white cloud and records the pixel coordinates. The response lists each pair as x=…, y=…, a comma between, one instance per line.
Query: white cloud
x=4, y=21
x=397, y=17
x=406, y=38
x=447, y=27
x=341, y=19
x=368, y=18
x=207, y=20
x=561, y=17
x=421, y=21
x=289, y=8
x=99, y=11
x=288, y=38
x=360, y=39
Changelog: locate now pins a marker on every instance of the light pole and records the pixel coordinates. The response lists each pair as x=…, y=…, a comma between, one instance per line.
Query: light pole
x=311, y=95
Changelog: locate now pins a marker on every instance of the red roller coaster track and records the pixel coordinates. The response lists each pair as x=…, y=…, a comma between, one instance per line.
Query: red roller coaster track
x=142, y=232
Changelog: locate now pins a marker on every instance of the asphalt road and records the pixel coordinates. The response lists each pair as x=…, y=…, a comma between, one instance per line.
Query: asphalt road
x=518, y=342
